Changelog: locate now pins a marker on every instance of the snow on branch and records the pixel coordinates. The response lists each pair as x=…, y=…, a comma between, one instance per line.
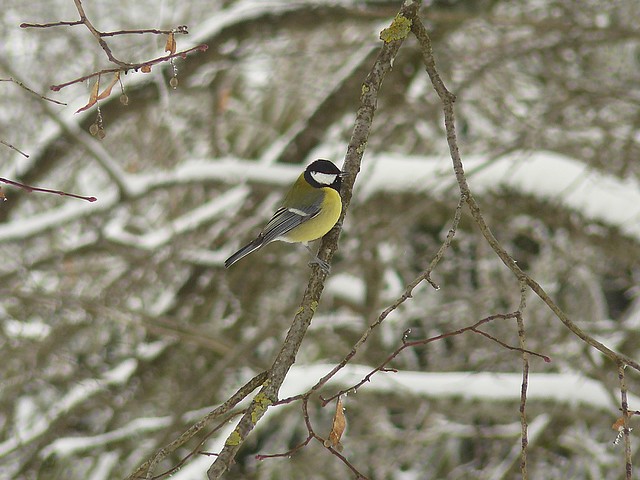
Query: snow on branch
x=84, y=390
x=546, y=176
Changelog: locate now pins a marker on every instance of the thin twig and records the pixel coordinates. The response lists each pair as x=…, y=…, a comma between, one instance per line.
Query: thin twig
x=425, y=341
x=135, y=66
x=628, y=466
x=52, y=24
x=30, y=188
x=99, y=37
x=236, y=398
x=182, y=29
x=22, y=85
x=406, y=295
x=6, y=144
x=448, y=99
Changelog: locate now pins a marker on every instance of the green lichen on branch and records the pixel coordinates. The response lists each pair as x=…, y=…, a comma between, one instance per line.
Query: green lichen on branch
x=234, y=439
x=398, y=30
x=260, y=405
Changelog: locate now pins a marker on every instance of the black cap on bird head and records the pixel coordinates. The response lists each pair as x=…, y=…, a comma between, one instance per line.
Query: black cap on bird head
x=323, y=173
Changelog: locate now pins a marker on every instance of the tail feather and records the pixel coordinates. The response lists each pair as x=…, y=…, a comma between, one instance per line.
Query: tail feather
x=243, y=252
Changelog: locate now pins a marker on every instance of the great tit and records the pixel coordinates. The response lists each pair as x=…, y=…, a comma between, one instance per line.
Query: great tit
x=309, y=210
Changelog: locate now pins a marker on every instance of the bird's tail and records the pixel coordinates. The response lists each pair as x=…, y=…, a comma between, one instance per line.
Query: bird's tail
x=243, y=252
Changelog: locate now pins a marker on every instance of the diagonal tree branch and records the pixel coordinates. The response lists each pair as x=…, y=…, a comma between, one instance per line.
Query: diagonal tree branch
x=236, y=398
x=268, y=394
x=448, y=100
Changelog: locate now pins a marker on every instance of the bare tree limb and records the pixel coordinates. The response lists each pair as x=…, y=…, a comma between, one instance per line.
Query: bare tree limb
x=236, y=398
x=448, y=100
x=524, y=436
x=355, y=150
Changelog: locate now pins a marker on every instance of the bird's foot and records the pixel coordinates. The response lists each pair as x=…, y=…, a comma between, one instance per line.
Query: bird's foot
x=324, y=266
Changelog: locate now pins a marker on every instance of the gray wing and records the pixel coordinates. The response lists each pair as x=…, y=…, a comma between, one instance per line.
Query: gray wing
x=286, y=219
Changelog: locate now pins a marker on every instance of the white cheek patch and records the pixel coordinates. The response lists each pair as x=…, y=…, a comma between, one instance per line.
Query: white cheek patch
x=324, y=178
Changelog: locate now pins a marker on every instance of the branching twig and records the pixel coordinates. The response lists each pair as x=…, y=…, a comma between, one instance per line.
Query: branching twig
x=99, y=36
x=236, y=398
x=355, y=150
x=312, y=435
x=407, y=294
x=448, y=100
x=134, y=66
x=425, y=341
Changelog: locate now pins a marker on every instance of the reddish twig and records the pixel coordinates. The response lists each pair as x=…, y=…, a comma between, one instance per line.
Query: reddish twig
x=99, y=36
x=509, y=347
x=406, y=344
x=312, y=435
x=137, y=66
x=288, y=453
x=30, y=188
x=182, y=29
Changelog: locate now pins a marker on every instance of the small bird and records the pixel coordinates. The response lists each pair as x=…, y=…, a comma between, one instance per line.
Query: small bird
x=309, y=210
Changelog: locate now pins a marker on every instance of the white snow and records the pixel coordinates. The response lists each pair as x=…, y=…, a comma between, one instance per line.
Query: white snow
x=34, y=329
x=37, y=422
x=347, y=287
x=570, y=389
x=222, y=205
x=546, y=176
x=64, y=447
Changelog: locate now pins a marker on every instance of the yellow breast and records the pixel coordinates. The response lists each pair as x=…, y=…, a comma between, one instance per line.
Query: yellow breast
x=319, y=225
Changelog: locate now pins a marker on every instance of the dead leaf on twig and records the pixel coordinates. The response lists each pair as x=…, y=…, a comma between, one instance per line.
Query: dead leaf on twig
x=95, y=95
x=338, y=427
x=107, y=91
x=170, y=46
